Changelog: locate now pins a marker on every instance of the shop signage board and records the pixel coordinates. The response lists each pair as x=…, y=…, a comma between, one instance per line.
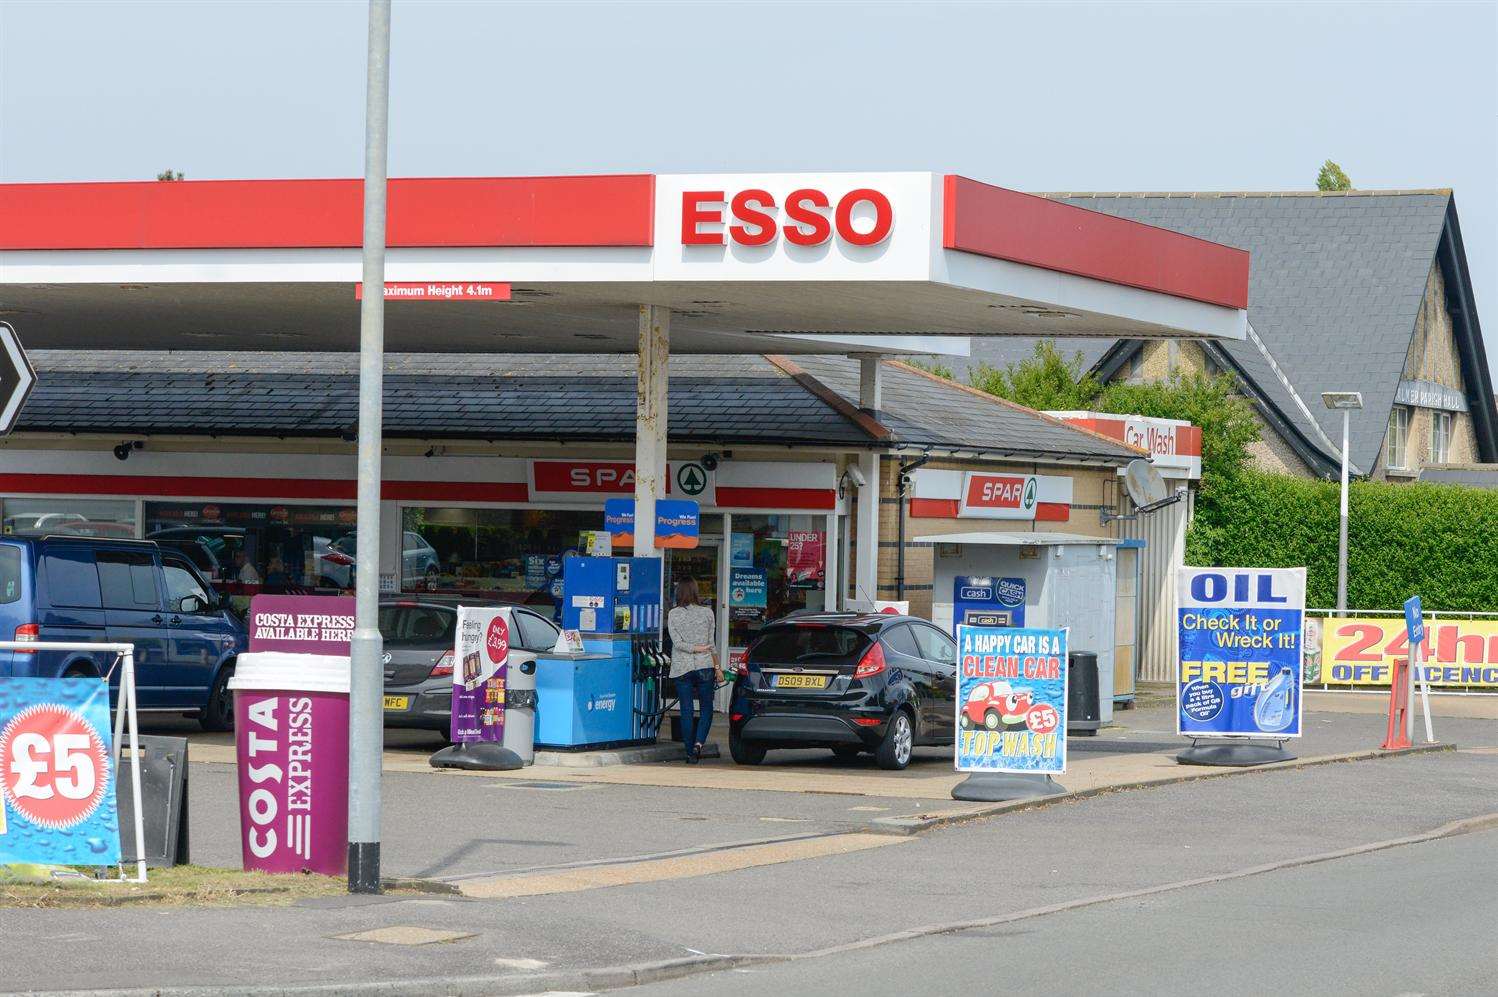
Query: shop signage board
x=16, y=377
x=592, y=480
x=440, y=290
x=481, y=659
x=1011, y=699
x=678, y=522
x=741, y=550
x=948, y=494
x=988, y=601
x=1240, y=642
x=57, y=777
x=805, y=550
x=1362, y=651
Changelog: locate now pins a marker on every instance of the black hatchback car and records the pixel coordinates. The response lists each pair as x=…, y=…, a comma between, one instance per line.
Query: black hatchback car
x=848, y=682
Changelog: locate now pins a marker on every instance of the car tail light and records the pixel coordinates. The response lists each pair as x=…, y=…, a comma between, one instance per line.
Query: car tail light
x=444, y=665
x=735, y=717
x=28, y=631
x=872, y=662
x=868, y=721
x=337, y=558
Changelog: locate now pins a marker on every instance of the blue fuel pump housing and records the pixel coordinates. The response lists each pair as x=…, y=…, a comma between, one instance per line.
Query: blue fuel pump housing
x=612, y=595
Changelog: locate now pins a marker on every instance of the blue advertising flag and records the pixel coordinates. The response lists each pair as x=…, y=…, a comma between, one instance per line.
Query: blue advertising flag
x=57, y=778
x=1011, y=699
x=1239, y=643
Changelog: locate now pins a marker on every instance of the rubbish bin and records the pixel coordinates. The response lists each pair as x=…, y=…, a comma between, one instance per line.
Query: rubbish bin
x=520, y=712
x=291, y=736
x=1083, y=712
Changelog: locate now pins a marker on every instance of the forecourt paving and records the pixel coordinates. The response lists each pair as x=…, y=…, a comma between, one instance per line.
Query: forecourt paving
x=1014, y=863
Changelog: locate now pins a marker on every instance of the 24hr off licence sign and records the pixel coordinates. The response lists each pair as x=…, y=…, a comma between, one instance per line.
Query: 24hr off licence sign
x=1011, y=699
x=1239, y=639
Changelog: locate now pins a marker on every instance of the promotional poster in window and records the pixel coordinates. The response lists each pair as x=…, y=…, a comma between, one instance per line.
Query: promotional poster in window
x=481, y=673
x=1011, y=699
x=1239, y=639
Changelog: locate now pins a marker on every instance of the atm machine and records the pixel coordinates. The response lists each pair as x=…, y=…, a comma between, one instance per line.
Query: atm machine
x=607, y=695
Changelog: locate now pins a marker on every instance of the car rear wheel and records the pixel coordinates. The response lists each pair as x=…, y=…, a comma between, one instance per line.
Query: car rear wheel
x=847, y=754
x=899, y=740
x=218, y=712
x=745, y=752
x=991, y=720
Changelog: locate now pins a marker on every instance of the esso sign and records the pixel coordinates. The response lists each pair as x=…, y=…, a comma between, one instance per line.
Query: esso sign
x=807, y=217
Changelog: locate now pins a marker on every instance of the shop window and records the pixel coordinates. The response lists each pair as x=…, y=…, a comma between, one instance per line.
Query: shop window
x=1399, y=438
x=1440, y=437
x=244, y=548
x=777, y=566
x=501, y=555
x=37, y=517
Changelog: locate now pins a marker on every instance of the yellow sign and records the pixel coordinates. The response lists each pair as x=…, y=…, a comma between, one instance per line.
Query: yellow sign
x=1363, y=651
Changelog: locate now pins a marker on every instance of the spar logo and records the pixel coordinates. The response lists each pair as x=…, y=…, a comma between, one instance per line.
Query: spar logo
x=54, y=769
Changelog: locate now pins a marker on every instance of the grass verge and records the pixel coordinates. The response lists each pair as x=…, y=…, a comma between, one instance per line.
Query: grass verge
x=182, y=886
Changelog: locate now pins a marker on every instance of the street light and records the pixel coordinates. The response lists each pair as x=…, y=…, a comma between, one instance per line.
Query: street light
x=1345, y=402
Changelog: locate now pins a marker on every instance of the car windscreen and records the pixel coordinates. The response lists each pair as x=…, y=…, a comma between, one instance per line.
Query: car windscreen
x=807, y=642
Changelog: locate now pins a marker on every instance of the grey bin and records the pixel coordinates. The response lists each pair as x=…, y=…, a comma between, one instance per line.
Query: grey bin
x=520, y=712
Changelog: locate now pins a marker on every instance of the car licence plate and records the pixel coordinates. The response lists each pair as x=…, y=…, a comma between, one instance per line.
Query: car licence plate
x=397, y=702
x=800, y=681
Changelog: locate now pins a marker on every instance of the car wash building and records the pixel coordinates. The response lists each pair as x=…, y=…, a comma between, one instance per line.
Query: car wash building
x=556, y=342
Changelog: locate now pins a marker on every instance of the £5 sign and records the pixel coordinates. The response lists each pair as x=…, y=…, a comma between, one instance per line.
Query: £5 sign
x=57, y=802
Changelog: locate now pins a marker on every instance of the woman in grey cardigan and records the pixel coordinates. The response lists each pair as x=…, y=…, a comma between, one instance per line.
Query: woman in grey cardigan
x=694, y=664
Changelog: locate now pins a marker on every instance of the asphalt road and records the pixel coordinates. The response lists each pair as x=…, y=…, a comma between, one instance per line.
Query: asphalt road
x=1406, y=921
x=999, y=867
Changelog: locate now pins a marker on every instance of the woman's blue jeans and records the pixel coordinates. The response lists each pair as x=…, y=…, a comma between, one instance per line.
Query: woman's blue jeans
x=695, y=691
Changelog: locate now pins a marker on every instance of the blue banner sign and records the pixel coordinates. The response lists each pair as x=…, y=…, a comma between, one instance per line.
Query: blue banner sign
x=987, y=601
x=1239, y=636
x=1011, y=699
x=748, y=588
x=1414, y=622
x=57, y=777
x=678, y=522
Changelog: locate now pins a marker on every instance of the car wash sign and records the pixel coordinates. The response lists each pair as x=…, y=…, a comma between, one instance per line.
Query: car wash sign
x=57, y=778
x=1239, y=640
x=1011, y=700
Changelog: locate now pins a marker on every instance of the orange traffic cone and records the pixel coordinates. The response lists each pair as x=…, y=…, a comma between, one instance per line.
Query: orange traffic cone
x=1399, y=706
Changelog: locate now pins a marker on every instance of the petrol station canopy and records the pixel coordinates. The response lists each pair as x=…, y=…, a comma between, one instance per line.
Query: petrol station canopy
x=747, y=263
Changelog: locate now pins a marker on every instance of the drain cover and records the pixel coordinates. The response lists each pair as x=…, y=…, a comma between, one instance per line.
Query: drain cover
x=558, y=786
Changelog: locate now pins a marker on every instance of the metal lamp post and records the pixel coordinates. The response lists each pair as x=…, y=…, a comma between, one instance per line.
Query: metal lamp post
x=1345, y=402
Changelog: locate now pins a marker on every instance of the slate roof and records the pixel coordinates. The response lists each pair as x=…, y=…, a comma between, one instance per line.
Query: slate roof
x=1335, y=284
x=713, y=399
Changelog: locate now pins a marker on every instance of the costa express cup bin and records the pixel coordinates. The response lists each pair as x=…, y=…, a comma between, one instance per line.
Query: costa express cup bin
x=291, y=731
x=520, y=711
x=1083, y=711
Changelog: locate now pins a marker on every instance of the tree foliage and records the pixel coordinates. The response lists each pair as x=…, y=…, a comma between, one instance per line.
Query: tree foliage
x=1331, y=177
x=1440, y=541
x=1044, y=380
x=170, y=175
x=1048, y=380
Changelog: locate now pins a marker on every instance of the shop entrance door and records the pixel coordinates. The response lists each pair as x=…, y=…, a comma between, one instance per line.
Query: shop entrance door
x=702, y=563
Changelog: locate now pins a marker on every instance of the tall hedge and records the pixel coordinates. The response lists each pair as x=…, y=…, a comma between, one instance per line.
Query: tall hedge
x=1440, y=541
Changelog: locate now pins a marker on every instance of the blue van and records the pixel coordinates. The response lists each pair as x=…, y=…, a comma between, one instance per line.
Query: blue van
x=61, y=588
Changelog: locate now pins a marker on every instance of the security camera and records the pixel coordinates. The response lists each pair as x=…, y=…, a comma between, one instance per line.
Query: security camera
x=122, y=451
x=856, y=476
x=710, y=461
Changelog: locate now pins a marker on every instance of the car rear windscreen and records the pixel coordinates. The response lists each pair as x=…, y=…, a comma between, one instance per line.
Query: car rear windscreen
x=417, y=626
x=788, y=645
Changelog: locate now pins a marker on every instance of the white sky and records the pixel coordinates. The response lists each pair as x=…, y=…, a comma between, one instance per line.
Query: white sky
x=1210, y=96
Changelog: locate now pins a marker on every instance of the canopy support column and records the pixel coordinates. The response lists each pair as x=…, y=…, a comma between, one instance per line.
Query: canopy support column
x=650, y=423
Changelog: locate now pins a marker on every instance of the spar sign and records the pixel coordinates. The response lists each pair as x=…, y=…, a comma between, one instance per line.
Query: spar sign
x=57, y=779
x=1239, y=645
x=1011, y=699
